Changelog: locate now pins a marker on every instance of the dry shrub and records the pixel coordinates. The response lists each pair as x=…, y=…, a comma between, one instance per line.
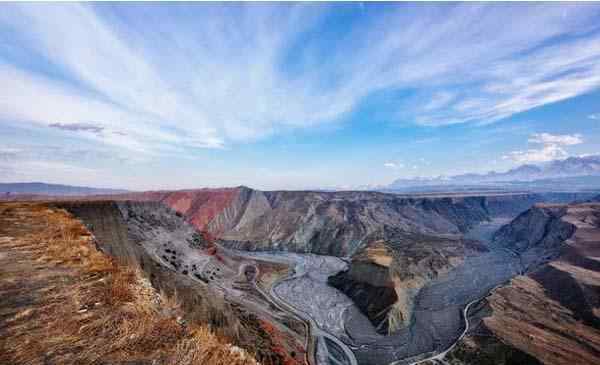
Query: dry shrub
x=119, y=289
x=137, y=323
x=202, y=347
x=92, y=310
x=67, y=241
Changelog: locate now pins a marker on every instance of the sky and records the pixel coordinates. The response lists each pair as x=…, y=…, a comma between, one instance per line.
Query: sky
x=292, y=96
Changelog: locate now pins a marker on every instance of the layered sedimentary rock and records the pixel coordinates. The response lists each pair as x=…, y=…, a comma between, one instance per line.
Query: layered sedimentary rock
x=397, y=244
x=542, y=226
x=180, y=260
x=334, y=223
x=385, y=276
x=418, y=260
x=550, y=315
x=411, y=269
x=369, y=283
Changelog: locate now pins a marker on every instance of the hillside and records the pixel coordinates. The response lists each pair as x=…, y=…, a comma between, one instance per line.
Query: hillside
x=335, y=223
x=62, y=301
x=412, y=265
x=552, y=313
x=37, y=188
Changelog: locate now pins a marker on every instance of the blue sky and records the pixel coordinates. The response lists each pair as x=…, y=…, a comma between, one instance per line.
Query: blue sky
x=290, y=96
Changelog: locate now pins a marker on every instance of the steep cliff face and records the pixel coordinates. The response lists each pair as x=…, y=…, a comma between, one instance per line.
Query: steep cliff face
x=200, y=206
x=541, y=226
x=419, y=259
x=550, y=315
x=375, y=299
x=334, y=223
x=136, y=233
x=385, y=276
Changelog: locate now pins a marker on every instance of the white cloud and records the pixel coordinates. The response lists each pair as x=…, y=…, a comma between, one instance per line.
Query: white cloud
x=552, y=148
x=393, y=165
x=543, y=154
x=594, y=116
x=206, y=84
x=554, y=139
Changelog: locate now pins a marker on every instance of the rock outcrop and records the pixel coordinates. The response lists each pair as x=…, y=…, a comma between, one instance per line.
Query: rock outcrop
x=181, y=261
x=397, y=244
x=385, y=276
x=540, y=226
x=370, y=285
x=334, y=223
x=551, y=315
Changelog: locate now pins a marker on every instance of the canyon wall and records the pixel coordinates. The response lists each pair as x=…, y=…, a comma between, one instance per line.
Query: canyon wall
x=333, y=223
x=125, y=229
x=541, y=226
x=551, y=313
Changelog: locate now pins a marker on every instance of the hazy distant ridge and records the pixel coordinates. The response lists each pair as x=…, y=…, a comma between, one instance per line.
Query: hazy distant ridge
x=571, y=167
x=53, y=189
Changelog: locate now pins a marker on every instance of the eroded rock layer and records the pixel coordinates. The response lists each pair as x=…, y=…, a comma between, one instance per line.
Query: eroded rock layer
x=369, y=283
x=332, y=223
x=552, y=314
x=412, y=269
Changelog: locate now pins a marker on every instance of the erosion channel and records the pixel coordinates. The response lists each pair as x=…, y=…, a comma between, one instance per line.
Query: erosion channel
x=288, y=295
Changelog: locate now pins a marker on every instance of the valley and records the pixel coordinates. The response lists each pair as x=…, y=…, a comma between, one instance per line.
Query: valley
x=342, y=278
x=299, y=183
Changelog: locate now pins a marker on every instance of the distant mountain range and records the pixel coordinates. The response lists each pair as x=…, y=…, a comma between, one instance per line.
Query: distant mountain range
x=38, y=188
x=573, y=172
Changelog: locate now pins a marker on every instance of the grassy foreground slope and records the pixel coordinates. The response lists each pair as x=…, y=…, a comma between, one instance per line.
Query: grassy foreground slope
x=64, y=302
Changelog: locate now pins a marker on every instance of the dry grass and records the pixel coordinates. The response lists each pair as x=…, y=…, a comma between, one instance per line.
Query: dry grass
x=64, y=302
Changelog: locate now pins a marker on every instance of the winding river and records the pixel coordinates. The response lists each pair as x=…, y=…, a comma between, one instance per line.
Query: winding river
x=439, y=320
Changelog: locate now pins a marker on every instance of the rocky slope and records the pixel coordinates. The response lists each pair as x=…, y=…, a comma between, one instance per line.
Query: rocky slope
x=62, y=301
x=411, y=269
x=335, y=223
x=541, y=226
x=550, y=315
x=369, y=283
x=181, y=261
x=385, y=277
x=398, y=244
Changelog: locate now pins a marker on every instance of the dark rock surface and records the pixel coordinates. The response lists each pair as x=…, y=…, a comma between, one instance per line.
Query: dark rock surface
x=426, y=274
x=125, y=230
x=539, y=226
x=370, y=287
x=341, y=223
x=551, y=314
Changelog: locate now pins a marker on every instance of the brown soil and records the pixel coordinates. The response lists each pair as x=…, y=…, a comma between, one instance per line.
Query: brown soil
x=551, y=314
x=64, y=302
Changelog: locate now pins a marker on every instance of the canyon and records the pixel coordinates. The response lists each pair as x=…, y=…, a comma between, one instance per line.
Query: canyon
x=550, y=313
x=362, y=277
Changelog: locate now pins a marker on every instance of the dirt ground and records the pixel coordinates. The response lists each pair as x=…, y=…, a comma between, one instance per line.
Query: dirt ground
x=64, y=302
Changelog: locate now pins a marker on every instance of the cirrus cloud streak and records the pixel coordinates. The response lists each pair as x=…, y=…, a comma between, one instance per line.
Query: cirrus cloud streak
x=206, y=76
